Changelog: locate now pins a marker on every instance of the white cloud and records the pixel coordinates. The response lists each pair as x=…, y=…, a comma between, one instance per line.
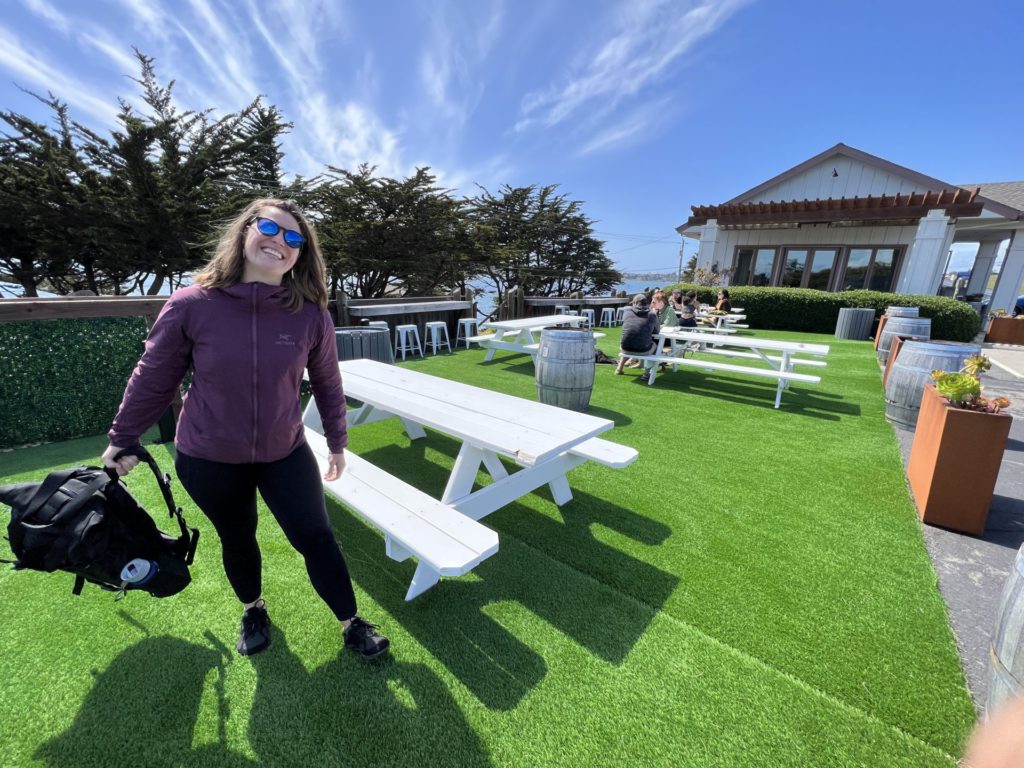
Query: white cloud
x=650, y=38
x=32, y=70
x=46, y=11
x=629, y=130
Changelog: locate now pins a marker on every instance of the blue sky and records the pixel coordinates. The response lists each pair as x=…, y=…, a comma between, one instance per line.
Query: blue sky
x=639, y=108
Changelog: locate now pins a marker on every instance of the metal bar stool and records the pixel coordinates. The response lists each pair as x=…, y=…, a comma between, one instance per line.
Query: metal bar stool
x=620, y=315
x=589, y=314
x=434, y=331
x=608, y=316
x=377, y=324
x=467, y=327
x=561, y=309
x=407, y=339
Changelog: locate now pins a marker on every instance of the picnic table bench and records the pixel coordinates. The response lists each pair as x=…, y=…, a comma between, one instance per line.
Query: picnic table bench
x=779, y=366
x=544, y=441
x=519, y=335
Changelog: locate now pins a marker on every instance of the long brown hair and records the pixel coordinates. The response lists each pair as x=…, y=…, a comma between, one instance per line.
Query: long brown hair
x=306, y=281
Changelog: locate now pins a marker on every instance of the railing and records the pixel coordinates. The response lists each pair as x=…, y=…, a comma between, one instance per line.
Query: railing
x=405, y=310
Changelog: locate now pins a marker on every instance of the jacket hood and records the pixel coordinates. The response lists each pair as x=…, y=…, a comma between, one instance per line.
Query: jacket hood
x=639, y=311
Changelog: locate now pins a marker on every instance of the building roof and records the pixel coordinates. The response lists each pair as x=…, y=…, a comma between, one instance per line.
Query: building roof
x=1003, y=199
x=891, y=209
x=1010, y=193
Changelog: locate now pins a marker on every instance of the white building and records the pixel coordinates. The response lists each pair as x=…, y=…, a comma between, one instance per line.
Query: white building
x=845, y=219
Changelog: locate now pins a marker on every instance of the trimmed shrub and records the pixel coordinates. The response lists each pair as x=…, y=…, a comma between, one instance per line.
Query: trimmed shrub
x=803, y=309
x=62, y=379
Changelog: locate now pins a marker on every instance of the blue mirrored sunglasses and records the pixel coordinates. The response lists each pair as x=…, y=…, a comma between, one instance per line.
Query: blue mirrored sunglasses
x=269, y=227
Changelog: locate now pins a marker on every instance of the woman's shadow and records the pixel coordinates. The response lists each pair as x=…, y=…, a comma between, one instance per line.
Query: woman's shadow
x=144, y=707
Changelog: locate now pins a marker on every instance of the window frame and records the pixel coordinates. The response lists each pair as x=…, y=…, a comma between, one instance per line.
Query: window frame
x=898, y=253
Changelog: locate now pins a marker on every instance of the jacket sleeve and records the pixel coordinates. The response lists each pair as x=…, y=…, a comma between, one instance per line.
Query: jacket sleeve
x=156, y=377
x=325, y=381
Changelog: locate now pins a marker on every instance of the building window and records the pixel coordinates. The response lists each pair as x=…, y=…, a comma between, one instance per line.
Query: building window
x=754, y=266
x=870, y=268
x=808, y=268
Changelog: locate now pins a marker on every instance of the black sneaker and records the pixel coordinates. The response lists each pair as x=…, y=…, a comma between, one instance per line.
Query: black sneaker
x=255, y=633
x=361, y=636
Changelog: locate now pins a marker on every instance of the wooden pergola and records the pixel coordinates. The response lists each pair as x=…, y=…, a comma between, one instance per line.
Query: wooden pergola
x=894, y=209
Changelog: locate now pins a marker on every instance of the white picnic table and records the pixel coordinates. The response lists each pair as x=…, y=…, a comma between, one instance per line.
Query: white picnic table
x=520, y=335
x=779, y=366
x=718, y=322
x=545, y=441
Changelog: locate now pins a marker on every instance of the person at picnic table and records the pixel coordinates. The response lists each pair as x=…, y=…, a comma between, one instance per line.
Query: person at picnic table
x=692, y=296
x=661, y=306
x=639, y=332
x=253, y=320
x=676, y=300
x=723, y=304
x=688, y=315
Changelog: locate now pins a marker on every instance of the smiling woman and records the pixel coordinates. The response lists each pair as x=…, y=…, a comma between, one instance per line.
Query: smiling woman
x=254, y=321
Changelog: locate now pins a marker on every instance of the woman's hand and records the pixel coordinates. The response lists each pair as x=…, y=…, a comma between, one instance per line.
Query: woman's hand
x=335, y=466
x=124, y=465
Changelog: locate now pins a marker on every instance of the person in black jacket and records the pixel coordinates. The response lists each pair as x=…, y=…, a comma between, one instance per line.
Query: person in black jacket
x=639, y=330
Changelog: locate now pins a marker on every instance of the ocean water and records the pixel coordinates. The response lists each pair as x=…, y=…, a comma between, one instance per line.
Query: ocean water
x=485, y=300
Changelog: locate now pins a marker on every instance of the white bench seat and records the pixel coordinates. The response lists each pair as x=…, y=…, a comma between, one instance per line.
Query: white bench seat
x=444, y=541
x=754, y=356
x=606, y=452
x=783, y=377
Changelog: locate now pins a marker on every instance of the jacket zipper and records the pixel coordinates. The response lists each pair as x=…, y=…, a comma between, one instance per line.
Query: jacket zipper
x=255, y=373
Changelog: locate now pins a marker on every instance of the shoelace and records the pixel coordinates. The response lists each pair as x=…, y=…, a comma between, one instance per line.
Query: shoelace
x=361, y=627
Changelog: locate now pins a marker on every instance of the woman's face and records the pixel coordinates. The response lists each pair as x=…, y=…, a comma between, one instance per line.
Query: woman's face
x=267, y=257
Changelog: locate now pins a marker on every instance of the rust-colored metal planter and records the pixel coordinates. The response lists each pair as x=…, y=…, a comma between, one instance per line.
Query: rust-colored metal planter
x=1005, y=330
x=954, y=462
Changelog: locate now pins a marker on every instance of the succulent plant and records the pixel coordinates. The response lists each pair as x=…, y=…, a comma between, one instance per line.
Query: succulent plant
x=963, y=388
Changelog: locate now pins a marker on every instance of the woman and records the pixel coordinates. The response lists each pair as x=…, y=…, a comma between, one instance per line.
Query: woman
x=723, y=304
x=676, y=300
x=255, y=318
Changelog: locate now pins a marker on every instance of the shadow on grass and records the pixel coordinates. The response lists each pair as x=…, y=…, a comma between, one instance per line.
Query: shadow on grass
x=142, y=710
x=539, y=566
x=348, y=712
x=797, y=400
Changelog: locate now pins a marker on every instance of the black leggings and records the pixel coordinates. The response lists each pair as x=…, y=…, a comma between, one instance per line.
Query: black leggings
x=291, y=487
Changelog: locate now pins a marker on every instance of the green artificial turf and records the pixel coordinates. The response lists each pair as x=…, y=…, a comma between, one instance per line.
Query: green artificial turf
x=753, y=590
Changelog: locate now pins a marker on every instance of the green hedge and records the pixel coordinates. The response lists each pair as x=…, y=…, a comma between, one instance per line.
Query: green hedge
x=61, y=379
x=802, y=309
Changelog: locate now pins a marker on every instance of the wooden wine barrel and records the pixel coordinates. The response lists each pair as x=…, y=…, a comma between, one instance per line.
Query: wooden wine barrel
x=1006, y=652
x=918, y=327
x=565, y=368
x=903, y=311
x=854, y=322
x=912, y=370
x=359, y=341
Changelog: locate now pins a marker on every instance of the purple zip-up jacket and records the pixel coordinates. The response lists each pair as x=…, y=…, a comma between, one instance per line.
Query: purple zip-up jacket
x=248, y=353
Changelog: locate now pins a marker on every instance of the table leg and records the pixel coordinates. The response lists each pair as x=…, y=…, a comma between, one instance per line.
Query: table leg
x=505, y=491
x=460, y=482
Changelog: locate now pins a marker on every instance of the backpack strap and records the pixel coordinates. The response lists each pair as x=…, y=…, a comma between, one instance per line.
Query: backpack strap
x=47, y=488
x=189, y=536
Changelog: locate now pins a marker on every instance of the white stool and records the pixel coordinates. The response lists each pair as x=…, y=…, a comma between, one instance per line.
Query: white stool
x=377, y=324
x=589, y=314
x=574, y=312
x=561, y=309
x=407, y=339
x=608, y=316
x=434, y=331
x=467, y=328
x=620, y=315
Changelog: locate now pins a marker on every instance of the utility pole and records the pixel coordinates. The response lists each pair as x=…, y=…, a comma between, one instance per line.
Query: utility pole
x=682, y=252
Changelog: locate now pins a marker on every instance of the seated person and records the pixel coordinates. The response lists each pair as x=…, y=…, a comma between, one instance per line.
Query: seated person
x=688, y=315
x=663, y=309
x=692, y=296
x=723, y=301
x=639, y=331
x=676, y=300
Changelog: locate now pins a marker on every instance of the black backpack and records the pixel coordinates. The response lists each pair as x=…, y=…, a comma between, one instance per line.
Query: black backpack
x=84, y=521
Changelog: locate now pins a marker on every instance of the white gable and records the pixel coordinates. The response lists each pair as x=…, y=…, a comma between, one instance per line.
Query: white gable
x=855, y=179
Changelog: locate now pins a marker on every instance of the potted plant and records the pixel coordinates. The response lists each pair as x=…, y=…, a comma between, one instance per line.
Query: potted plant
x=958, y=448
x=1003, y=329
